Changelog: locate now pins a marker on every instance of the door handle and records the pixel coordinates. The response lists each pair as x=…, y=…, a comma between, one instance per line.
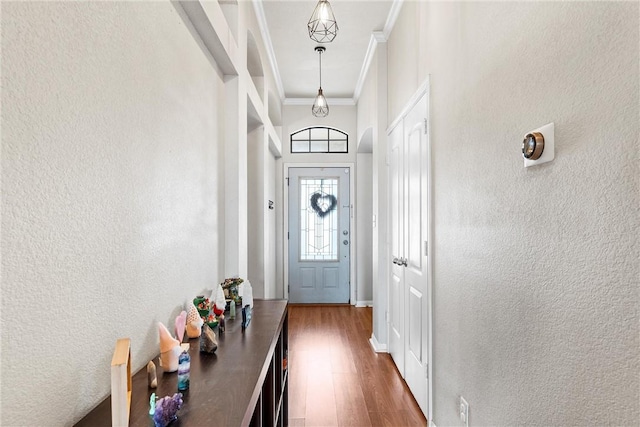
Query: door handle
x=395, y=261
x=403, y=261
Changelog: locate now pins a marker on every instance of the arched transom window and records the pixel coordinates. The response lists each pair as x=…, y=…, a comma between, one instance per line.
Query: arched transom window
x=319, y=139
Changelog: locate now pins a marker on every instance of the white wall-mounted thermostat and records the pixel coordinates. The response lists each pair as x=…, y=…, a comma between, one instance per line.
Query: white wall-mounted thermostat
x=538, y=146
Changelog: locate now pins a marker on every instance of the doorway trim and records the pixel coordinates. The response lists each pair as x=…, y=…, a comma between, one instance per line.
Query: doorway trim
x=423, y=89
x=285, y=229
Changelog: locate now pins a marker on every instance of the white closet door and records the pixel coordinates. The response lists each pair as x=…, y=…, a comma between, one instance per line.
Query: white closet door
x=396, y=288
x=416, y=220
x=408, y=288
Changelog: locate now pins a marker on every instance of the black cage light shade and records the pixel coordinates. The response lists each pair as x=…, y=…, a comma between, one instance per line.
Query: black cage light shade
x=320, y=108
x=322, y=25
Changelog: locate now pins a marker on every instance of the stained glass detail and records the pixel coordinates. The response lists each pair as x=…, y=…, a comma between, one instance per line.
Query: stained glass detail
x=319, y=219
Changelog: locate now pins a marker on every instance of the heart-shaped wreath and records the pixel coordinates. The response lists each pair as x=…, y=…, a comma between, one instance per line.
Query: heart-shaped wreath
x=323, y=203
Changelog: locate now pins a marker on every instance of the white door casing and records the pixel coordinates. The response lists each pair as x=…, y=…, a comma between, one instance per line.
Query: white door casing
x=319, y=235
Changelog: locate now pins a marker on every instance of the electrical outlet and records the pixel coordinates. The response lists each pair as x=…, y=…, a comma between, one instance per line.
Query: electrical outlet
x=464, y=411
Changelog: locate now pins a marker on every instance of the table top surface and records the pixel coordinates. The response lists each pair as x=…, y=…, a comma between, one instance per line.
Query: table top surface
x=224, y=386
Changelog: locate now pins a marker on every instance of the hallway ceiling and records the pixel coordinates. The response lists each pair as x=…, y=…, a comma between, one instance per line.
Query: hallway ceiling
x=342, y=64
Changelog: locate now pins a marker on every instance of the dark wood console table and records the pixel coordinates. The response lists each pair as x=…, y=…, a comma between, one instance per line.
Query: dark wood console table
x=244, y=383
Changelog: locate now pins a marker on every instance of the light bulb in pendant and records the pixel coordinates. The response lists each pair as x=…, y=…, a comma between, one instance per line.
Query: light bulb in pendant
x=320, y=107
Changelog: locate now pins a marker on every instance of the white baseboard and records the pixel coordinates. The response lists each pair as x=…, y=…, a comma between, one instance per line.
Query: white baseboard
x=377, y=347
x=364, y=303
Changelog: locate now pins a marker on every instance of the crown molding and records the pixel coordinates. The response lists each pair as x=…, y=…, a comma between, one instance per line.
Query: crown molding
x=376, y=37
x=268, y=45
x=392, y=17
x=379, y=36
x=330, y=101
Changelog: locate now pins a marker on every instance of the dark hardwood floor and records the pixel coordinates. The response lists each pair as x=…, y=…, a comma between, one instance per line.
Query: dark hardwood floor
x=335, y=377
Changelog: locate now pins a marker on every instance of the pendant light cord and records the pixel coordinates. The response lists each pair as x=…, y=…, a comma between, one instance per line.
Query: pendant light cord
x=320, y=52
x=320, y=107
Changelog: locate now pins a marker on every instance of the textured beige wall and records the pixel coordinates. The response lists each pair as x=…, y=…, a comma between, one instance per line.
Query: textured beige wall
x=536, y=270
x=110, y=194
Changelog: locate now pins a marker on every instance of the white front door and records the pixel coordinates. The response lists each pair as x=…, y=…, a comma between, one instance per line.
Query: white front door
x=319, y=235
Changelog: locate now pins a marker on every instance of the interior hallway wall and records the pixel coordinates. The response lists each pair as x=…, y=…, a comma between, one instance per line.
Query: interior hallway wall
x=270, y=281
x=111, y=190
x=535, y=270
x=372, y=125
x=261, y=222
x=363, y=214
x=256, y=211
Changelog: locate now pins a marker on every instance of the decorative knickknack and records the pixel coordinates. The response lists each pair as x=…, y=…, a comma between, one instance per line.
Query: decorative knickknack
x=194, y=321
x=121, y=385
x=230, y=289
x=322, y=203
x=166, y=410
x=246, y=294
x=202, y=304
x=169, y=349
x=208, y=342
x=218, y=305
x=181, y=323
x=152, y=377
x=184, y=369
x=219, y=300
x=207, y=314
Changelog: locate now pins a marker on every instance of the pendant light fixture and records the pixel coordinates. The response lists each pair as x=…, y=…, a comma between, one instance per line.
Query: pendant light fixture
x=322, y=24
x=320, y=107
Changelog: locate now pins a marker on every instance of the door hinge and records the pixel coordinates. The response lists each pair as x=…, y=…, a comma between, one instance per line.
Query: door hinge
x=426, y=248
x=426, y=370
x=287, y=235
x=425, y=126
x=287, y=178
